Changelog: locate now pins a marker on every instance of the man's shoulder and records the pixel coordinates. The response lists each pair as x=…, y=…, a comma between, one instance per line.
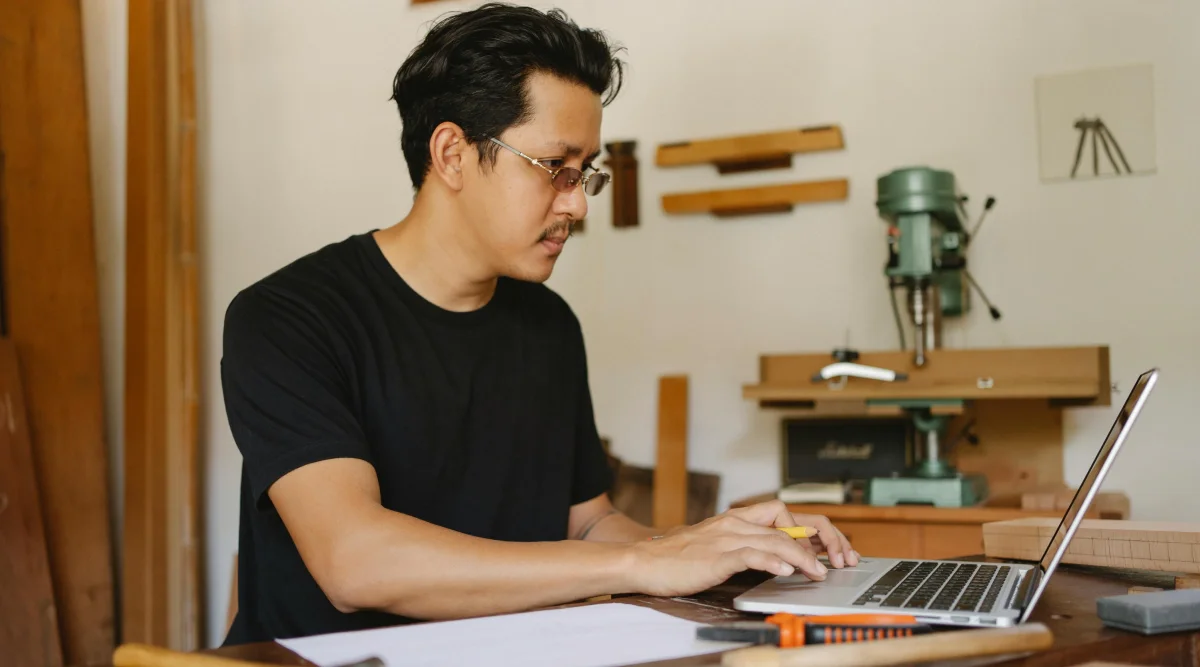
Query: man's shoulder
x=308, y=288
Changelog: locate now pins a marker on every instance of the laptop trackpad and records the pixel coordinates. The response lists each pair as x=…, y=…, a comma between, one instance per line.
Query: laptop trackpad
x=833, y=578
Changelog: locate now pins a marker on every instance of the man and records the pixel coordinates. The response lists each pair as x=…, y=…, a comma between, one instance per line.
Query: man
x=412, y=404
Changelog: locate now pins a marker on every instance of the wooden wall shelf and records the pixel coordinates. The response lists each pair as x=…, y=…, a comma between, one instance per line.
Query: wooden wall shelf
x=755, y=200
x=769, y=150
x=1062, y=375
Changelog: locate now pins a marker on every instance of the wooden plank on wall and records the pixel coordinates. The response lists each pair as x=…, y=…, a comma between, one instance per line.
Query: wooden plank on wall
x=750, y=147
x=53, y=308
x=28, y=617
x=670, y=471
x=161, y=585
x=766, y=198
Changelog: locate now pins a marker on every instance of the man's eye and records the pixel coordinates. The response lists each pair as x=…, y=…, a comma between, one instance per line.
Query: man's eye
x=553, y=163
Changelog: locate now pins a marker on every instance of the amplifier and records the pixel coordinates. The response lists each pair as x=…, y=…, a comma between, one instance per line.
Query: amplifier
x=845, y=449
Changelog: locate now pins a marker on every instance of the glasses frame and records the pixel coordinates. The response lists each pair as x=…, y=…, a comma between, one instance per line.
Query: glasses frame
x=584, y=178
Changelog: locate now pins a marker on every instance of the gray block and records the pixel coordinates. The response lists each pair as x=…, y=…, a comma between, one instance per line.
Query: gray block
x=1152, y=613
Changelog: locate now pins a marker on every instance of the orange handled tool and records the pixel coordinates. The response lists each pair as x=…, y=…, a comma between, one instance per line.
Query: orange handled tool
x=788, y=631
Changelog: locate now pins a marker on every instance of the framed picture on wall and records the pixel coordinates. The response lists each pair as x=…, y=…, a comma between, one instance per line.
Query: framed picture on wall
x=1096, y=123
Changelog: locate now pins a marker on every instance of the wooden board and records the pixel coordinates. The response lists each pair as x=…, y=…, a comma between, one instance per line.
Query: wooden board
x=28, y=616
x=750, y=148
x=53, y=310
x=1067, y=374
x=1110, y=504
x=670, y=471
x=1143, y=545
x=1020, y=446
x=763, y=199
x=162, y=542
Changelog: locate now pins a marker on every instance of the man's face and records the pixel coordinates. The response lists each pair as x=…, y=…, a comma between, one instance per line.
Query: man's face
x=519, y=219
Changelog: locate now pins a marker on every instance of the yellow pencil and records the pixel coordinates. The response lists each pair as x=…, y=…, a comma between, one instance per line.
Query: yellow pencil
x=798, y=532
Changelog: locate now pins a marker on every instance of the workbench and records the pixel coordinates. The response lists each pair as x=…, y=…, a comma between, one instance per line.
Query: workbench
x=1067, y=608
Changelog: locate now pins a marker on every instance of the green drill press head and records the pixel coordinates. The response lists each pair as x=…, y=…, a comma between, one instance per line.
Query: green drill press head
x=924, y=208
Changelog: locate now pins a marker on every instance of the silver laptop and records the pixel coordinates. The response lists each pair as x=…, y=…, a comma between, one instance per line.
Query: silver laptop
x=949, y=592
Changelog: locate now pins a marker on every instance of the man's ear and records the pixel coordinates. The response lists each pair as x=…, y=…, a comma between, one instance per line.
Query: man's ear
x=447, y=150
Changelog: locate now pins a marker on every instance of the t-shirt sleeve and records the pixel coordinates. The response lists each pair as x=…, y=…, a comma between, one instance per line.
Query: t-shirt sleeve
x=592, y=475
x=286, y=394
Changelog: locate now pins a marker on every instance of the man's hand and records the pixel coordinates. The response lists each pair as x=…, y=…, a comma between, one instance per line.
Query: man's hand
x=828, y=538
x=690, y=559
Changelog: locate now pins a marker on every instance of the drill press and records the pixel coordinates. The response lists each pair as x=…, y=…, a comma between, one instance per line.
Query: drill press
x=927, y=241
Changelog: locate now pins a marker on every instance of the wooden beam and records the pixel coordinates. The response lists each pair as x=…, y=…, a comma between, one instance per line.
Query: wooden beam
x=28, y=623
x=762, y=199
x=670, y=470
x=53, y=310
x=751, y=151
x=161, y=586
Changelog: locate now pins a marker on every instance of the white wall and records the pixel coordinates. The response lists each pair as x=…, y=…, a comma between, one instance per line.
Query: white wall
x=300, y=148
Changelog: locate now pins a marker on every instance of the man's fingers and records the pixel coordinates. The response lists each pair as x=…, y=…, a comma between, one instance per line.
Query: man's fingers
x=751, y=558
x=791, y=551
x=733, y=523
x=769, y=513
x=835, y=544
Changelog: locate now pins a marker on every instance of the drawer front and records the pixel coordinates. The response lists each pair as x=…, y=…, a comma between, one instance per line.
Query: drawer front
x=883, y=540
x=951, y=541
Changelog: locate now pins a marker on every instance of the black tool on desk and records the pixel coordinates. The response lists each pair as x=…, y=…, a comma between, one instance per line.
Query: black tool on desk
x=788, y=630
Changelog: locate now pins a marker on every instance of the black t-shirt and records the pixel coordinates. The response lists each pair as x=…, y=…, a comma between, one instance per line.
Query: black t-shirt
x=478, y=421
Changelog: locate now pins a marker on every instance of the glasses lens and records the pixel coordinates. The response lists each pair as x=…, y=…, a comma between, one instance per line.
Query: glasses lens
x=566, y=179
x=596, y=183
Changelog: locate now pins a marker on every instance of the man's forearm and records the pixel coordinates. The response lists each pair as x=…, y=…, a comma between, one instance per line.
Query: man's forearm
x=405, y=566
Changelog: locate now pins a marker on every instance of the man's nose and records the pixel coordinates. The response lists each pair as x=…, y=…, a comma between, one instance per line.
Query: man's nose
x=574, y=203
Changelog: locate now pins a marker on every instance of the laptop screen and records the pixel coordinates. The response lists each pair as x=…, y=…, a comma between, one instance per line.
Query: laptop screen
x=1091, y=482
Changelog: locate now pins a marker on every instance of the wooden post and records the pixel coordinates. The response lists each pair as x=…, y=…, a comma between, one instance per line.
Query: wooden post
x=161, y=585
x=670, y=471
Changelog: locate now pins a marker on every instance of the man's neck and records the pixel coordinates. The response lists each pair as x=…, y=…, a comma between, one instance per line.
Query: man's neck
x=434, y=256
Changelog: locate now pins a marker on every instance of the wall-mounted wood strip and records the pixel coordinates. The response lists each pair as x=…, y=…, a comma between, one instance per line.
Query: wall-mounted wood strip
x=763, y=150
x=28, y=616
x=161, y=585
x=745, y=201
x=53, y=307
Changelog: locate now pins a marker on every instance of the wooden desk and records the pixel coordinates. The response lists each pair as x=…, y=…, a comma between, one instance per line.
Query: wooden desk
x=1067, y=608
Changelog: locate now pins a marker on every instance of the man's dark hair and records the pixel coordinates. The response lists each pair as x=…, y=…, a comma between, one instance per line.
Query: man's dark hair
x=472, y=67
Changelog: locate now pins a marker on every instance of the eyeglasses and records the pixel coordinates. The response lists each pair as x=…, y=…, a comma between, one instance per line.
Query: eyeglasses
x=564, y=179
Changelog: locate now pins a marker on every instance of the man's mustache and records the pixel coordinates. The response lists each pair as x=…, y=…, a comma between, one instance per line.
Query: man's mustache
x=557, y=231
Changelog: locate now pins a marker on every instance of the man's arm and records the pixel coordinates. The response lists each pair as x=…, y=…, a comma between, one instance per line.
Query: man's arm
x=364, y=556
x=597, y=520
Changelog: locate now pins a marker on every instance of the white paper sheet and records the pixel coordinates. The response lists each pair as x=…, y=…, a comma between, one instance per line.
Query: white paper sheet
x=599, y=635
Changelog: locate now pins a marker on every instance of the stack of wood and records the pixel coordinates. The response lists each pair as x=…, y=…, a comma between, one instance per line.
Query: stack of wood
x=1141, y=545
x=56, y=549
x=57, y=569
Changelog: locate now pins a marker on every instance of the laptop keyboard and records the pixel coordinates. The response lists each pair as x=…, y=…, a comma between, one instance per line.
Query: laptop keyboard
x=938, y=586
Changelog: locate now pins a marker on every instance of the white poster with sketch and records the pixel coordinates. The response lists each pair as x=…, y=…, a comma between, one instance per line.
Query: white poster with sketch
x=1096, y=124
